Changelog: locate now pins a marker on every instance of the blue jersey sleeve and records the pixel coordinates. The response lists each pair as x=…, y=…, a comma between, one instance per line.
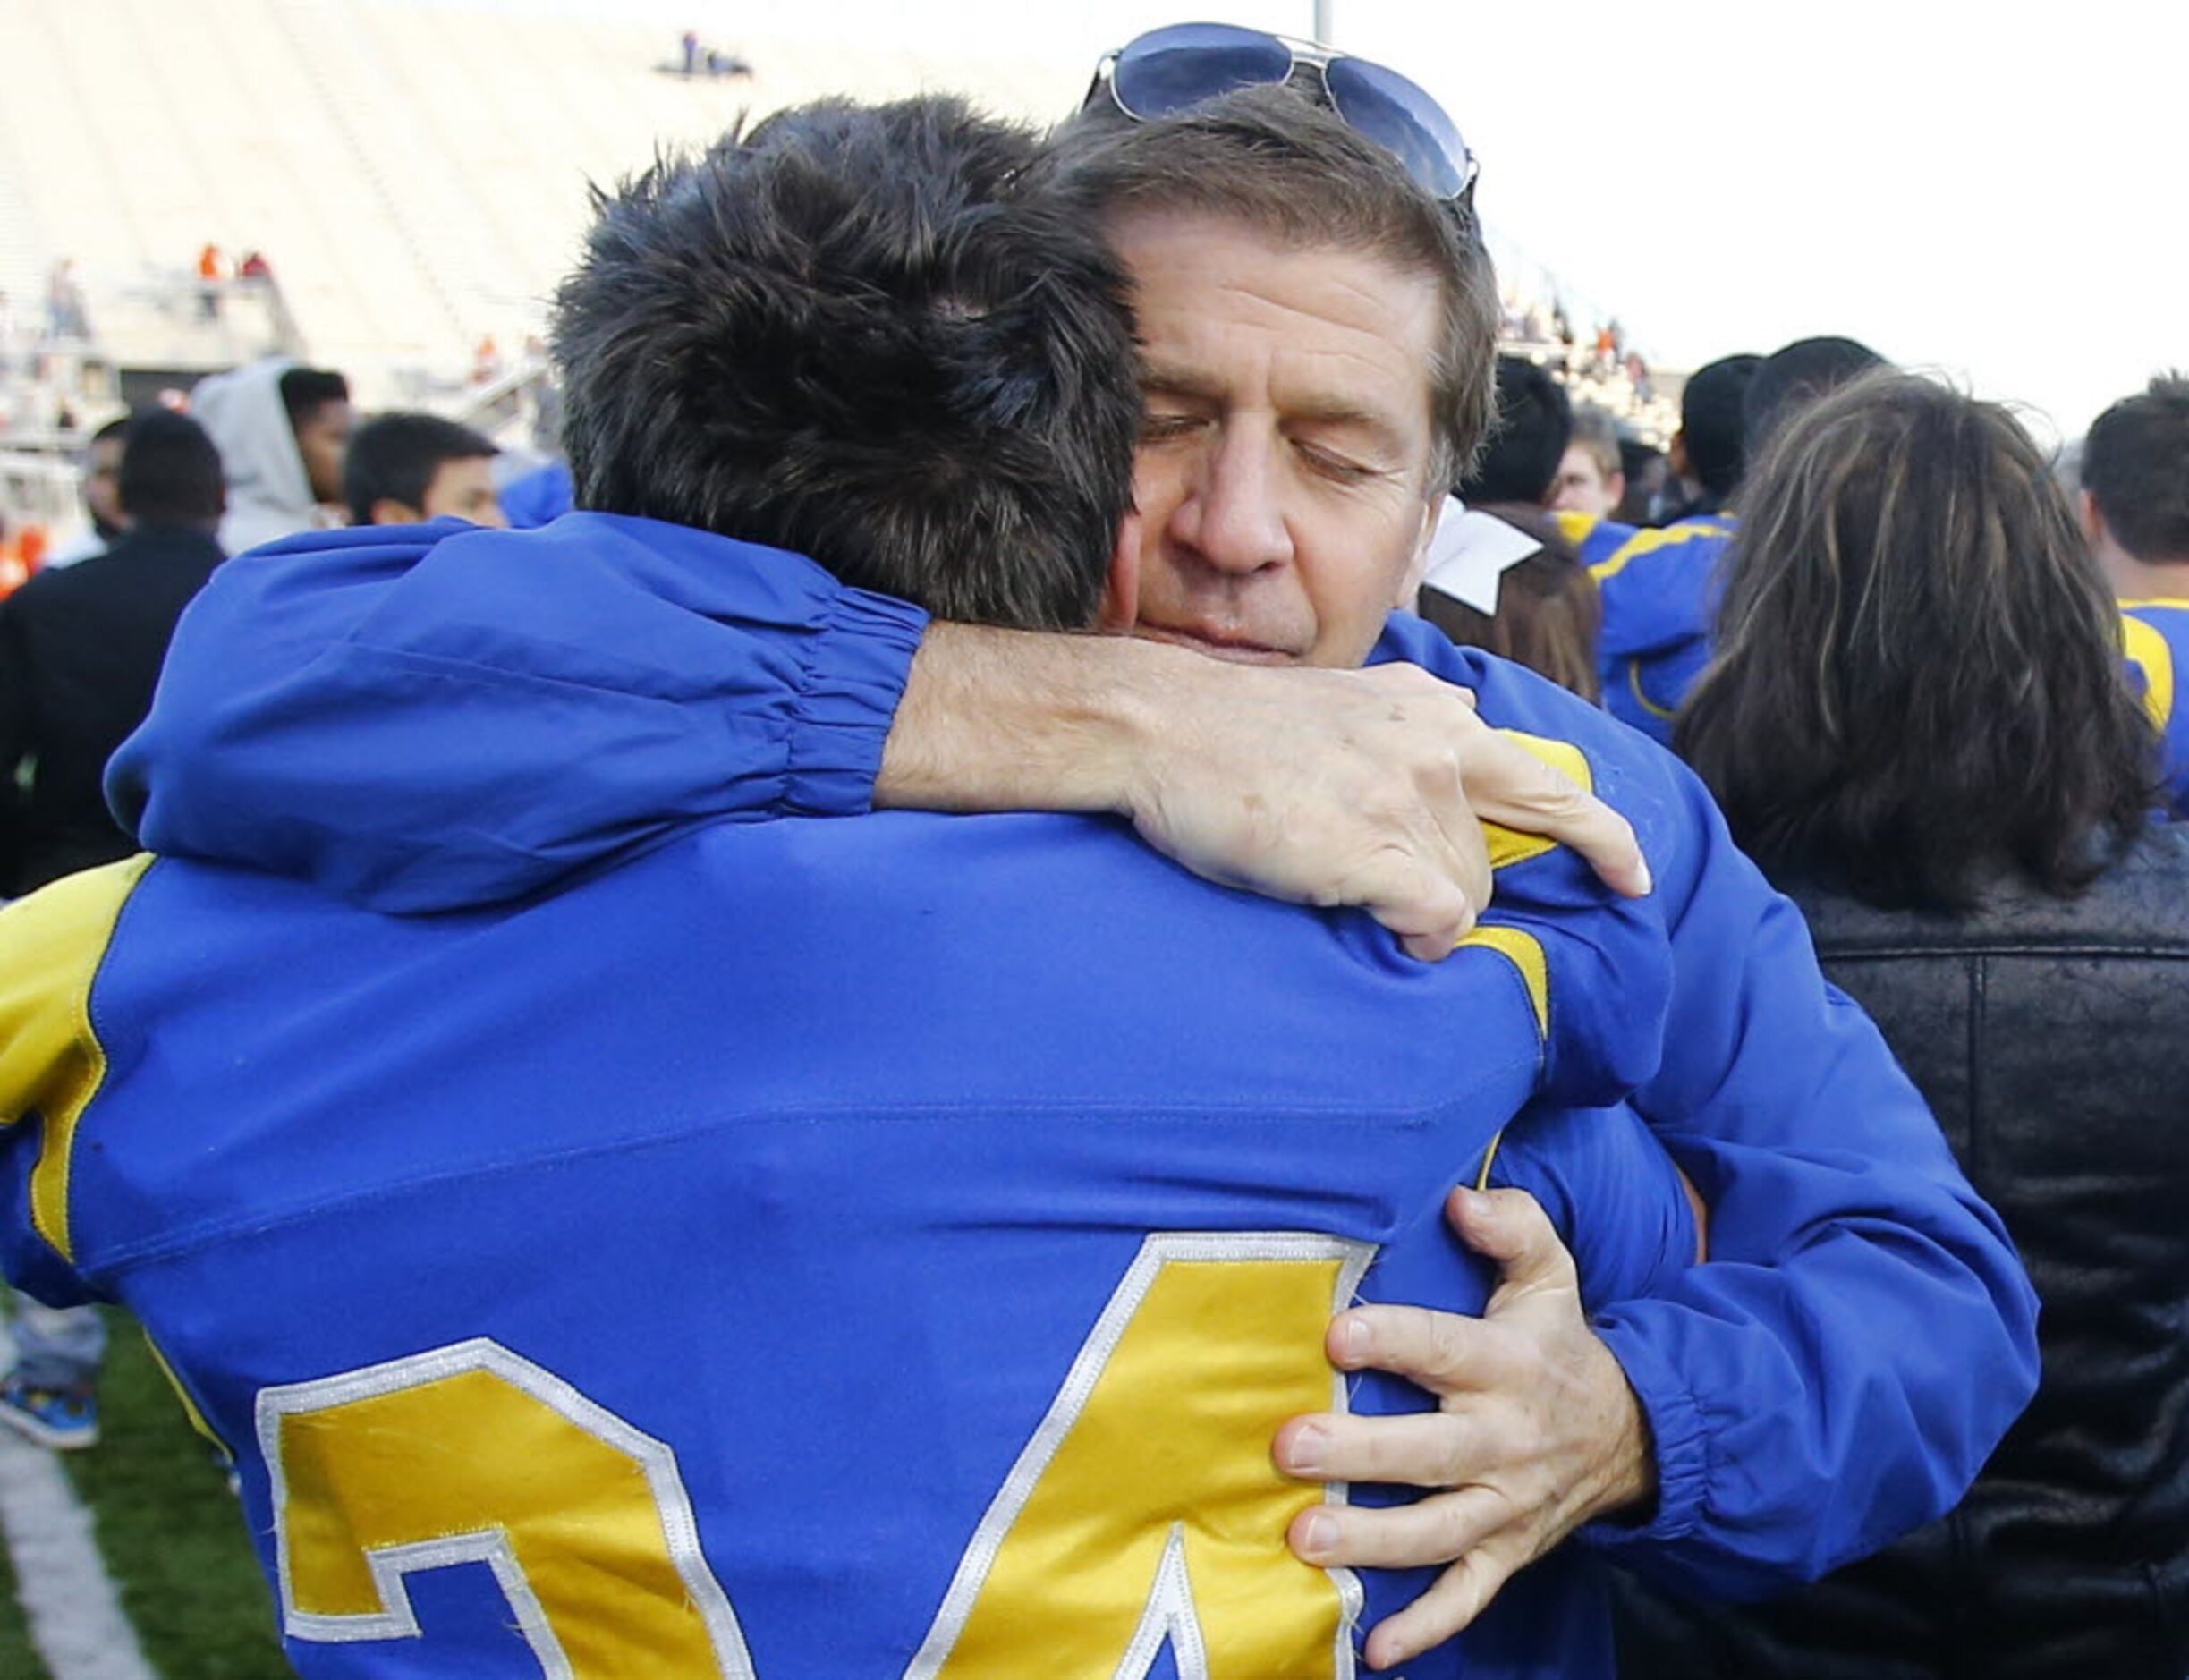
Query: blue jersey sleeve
x=1864, y=1333
x=1611, y=1190
x=1598, y=966
x=382, y=710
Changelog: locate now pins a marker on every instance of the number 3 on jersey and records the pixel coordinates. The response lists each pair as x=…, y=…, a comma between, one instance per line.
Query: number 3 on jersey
x=1147, y=1486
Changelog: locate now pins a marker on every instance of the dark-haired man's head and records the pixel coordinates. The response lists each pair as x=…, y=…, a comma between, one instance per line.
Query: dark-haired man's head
x=102, y=466
x=317, y=401
x=2135, y=485
x=1712, y=443
x=1534, y=424
x=845, y=333
x=1793, y=377
x=170, y=473
x=401, y=469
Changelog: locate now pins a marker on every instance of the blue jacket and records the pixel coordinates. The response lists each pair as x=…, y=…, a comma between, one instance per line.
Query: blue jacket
x=1658, y=587
x=410, y=717
x=819, y=1246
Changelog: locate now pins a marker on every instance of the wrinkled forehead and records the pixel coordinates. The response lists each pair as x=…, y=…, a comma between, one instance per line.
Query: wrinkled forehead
x=1203, y=283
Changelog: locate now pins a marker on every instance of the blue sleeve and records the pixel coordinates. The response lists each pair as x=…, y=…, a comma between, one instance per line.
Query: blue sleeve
x=1596, y=966
x=1863, y=1333
x=384, y=711
x=1657, y=588
x=1611, y=1190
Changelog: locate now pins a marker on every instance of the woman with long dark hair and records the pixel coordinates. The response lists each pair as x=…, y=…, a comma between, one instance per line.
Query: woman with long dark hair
x=1919, y=723
x=1918, y=681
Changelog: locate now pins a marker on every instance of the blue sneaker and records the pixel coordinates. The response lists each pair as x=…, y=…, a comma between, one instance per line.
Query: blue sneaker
x=66, y=1420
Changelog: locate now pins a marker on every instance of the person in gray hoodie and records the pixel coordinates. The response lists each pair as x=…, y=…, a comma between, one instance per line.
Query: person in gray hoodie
x=282, y=430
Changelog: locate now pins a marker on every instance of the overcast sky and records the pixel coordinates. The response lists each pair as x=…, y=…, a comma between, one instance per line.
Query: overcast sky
x=1992, y=190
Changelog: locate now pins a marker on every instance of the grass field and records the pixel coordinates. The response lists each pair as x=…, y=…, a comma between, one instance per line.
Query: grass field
x=173, y=1536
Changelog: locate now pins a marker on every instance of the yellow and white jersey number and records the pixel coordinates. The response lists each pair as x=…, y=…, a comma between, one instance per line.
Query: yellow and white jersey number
x=1144, y=1511
x=471, y=1455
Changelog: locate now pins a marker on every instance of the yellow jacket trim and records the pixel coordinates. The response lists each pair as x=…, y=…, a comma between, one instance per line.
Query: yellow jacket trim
x=1509, y=846
x=1649, y=542
x=51, y=1061
x=2147, y=651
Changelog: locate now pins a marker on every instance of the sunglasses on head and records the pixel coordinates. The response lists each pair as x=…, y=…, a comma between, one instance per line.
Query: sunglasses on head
x=1172, y=70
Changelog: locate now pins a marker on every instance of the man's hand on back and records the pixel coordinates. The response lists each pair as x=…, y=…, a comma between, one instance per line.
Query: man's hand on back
x=1536, y=1432
x=1315, y=787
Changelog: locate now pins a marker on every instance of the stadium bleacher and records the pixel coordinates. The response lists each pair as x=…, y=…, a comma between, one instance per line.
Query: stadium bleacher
x=415, y=175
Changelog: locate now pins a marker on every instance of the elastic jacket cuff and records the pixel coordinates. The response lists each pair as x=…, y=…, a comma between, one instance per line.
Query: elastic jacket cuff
x=855, y=671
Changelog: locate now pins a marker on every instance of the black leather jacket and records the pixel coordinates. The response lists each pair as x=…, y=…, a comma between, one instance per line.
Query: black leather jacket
x=2052, y=1040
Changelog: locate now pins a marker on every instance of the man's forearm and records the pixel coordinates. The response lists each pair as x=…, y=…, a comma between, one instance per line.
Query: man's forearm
x=1319, y=786
x=1008, y=720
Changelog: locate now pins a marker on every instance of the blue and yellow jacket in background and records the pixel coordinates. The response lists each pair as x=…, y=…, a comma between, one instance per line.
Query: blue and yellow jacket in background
x=413, y=720
x=1658, y=587
x=2156, y=635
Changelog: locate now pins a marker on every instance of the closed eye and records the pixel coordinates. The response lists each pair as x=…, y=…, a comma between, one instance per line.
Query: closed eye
x=1338, y=468
x=1155, y=429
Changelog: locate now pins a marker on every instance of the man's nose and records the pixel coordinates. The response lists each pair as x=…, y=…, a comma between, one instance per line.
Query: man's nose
x=1232, y=517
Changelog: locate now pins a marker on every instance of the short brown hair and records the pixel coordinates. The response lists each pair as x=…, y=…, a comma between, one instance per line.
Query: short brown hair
x=1272, y=158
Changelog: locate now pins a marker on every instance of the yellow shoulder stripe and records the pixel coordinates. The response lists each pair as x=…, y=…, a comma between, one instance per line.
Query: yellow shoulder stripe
x=1524, y=951
x=2147, y=649
x=1509, y=846
x=1649, y=542
x=1576, y=527
x=51, y=1061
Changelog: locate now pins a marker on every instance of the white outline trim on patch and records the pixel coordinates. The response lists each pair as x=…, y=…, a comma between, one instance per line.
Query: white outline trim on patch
x=490, y=1546
x=1163, y=1612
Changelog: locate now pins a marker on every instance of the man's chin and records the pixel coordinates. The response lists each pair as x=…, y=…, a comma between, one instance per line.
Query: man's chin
x=1231, y=651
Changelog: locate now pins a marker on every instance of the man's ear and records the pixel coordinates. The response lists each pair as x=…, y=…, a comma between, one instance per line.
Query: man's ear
x=1417, y=564
x=1120, y=610
x=389, y=511
x=2093, y=522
